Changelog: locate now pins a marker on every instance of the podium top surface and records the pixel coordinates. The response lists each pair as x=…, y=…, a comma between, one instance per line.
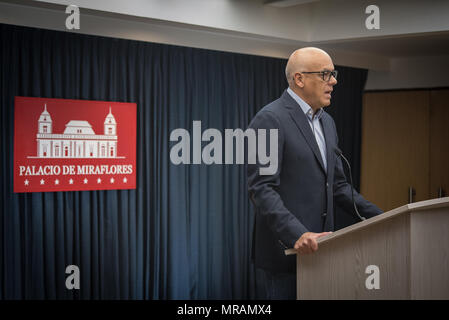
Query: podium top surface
x=417, y=206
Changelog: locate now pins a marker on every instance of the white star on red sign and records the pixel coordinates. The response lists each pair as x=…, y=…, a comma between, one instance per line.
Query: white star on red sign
x=98, y=180
x=112, y=180
x=71, y=181
x=56, y=181
x=85, y=181
x=42, y=181
x=27, y=182
x=125, y=180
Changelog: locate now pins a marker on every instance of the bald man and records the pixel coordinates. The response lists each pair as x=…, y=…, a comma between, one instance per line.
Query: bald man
x=295, y=205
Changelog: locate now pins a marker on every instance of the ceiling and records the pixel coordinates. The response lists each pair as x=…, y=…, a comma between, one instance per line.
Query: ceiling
x=261, y=27
x=395, y=47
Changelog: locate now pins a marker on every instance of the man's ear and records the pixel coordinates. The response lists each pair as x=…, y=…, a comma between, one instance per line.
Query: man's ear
x=299, y=80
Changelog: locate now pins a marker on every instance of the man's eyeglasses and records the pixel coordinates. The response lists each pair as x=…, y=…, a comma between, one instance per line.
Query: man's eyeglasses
x=326, y=75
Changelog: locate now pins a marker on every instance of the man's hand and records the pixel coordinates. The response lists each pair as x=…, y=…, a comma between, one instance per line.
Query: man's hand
x=307, y=243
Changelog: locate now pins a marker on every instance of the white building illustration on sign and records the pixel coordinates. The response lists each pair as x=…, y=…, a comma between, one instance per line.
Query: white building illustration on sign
x=78, y=140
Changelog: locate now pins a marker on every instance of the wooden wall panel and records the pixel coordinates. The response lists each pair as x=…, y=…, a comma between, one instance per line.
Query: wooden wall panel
x=395, y=147
x=439, y=142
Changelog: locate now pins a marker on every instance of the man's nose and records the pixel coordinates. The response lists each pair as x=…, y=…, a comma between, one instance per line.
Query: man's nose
x=333, y=81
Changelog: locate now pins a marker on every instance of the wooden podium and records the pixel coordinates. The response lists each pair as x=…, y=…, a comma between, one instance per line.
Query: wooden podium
x=409, y=245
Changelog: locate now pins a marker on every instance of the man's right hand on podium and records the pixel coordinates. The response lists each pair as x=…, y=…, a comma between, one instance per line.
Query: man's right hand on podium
x=307, y=243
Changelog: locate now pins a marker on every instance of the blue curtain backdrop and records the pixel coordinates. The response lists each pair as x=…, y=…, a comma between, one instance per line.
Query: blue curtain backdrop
x=185, y=232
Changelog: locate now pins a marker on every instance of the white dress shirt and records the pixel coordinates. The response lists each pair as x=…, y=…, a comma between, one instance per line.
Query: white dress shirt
x=315, y=124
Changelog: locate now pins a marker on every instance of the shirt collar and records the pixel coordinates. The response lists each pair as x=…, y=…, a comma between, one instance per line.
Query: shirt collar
x=308, y=111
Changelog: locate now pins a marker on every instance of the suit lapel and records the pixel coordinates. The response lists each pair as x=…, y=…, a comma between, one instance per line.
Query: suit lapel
x=303, y=125
x=328, y=132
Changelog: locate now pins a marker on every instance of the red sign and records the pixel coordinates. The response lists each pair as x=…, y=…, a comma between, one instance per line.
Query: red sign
x=73, y=145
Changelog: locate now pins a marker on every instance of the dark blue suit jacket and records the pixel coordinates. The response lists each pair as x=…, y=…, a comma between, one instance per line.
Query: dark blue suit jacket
x=300, y=196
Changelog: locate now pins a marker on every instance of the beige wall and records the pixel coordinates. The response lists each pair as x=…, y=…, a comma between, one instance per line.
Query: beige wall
x=408, y=73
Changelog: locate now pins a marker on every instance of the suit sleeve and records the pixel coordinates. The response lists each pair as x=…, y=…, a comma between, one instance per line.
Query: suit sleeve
x=263, y=189
x=343, y=195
